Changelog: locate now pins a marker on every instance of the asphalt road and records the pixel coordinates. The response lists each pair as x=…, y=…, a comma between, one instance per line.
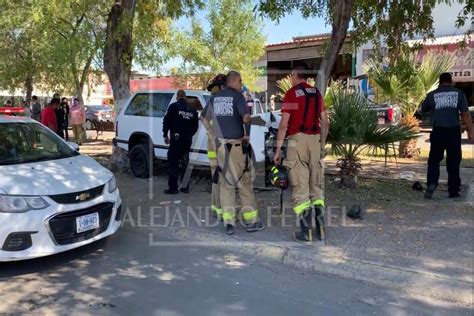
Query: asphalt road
x=123, y=275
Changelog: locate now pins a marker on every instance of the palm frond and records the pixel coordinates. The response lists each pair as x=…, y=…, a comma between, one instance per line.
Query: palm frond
x=432, y=67
x=353, y=126
x=408, y=81
x=285, y=84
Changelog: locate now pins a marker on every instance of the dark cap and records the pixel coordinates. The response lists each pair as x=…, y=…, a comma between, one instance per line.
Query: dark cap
x=219, y=80
x=445, y=77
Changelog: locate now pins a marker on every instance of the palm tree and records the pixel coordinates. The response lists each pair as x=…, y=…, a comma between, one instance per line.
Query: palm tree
x=406, y=83
x=285, y=84
x=353, y=129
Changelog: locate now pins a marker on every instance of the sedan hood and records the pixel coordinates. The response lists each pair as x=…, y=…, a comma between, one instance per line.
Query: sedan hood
x=53, y=177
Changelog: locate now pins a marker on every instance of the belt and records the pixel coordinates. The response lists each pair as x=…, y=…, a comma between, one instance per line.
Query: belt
x=235, y=142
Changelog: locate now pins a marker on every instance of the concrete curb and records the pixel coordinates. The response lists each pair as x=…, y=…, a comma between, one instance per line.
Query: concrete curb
x=306, y=257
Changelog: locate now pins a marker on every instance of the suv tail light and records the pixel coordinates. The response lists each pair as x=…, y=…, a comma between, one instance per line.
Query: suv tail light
x=390, y=114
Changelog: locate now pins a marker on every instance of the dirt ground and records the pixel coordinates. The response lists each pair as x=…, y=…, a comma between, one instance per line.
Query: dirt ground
x=399, y=227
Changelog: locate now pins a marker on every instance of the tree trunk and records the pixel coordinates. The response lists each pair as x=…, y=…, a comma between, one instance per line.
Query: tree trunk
x=409, y=148
x=342, y=12
x=79, y=92
x=29, y=88
x=118, y=51
x=118, y=56
x=349, y=168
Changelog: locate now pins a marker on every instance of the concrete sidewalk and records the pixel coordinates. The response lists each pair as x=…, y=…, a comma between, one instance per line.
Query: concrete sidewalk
x=422, y=247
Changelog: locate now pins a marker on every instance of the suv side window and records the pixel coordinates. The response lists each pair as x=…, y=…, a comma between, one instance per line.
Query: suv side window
x=160, y=103
x=139, y=106
x=258, y=107
x=194, y=102
x=146, y=104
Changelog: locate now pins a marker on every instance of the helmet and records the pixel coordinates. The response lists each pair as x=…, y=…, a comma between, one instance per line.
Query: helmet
x=279, y=177
x=216, y=83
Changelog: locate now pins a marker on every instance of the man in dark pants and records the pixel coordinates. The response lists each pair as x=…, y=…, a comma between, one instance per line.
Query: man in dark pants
x=445, y=104
x=65, y=107
x=181, y=121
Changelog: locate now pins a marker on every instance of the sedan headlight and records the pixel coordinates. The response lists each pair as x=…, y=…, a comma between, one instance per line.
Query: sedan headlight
x=112, y=185
x=19, y=204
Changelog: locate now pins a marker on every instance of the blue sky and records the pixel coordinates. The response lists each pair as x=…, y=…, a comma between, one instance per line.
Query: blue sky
x=293, y=25
x=288, y=27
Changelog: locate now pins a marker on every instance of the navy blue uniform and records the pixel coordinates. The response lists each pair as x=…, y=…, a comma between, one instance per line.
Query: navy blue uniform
x=181, y=121
x=445, y=104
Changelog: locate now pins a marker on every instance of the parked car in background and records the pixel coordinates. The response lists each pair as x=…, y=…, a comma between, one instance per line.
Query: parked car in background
x=52, y=198
x=99, y=117
x=387, y=114
x=139, y=129
x=258, y=107
x=425, y=119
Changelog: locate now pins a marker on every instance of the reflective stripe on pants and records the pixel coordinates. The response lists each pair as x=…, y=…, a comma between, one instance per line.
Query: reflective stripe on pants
x=234, y=172
x=215, y=199
x=303, y=160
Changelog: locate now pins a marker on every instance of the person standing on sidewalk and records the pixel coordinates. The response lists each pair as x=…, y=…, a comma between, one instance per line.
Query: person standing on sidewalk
x=48, y=115
x=65, y=106
x=445, y=103
x=231, y=126
x=217, y=84
x=181, y=121
x=60, y=117
x=77, y=119
x=303, y=116
x=35, y=109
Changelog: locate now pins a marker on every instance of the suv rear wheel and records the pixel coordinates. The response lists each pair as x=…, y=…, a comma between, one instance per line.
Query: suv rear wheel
x=141, y=162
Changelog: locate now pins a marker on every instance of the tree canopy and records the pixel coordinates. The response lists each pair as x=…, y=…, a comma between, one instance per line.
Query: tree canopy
x=233, y=40
x=385, y=23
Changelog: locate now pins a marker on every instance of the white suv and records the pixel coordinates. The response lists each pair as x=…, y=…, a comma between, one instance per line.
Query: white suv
x=139, y=128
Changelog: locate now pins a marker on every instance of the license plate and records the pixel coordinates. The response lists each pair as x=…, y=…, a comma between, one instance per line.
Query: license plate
x=381, y=120
x=107, y=115
x=87, y=222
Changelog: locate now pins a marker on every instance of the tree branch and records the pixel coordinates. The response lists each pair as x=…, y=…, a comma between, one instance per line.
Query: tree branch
x=85, y=70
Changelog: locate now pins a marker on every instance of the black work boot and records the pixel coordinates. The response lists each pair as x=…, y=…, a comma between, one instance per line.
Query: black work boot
x=454, y=194
x=306, y=233
x=170, y=191
x=320, y=228
x=255, y=227
x=429, y=191
x=229, y=229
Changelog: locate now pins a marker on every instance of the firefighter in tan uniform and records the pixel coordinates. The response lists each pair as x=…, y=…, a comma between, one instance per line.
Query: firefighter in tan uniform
x=217, y=84
x=303, y=118
x=231, y=127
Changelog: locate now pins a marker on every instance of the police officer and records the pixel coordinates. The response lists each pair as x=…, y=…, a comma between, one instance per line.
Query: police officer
x=231, y=127
x=181, y=122
x=303, y=115
x=445, y=104
x=217, y=84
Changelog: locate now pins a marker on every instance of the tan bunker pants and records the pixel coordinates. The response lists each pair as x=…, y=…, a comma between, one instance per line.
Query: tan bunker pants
x=303, y=160
x=212, y=156
x=232, y=176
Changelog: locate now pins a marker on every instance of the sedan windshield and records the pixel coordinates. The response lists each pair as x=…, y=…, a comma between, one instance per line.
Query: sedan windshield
x=30, y=142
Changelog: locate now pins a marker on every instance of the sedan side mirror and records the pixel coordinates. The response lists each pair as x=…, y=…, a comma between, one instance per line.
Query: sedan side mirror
x=74, y=146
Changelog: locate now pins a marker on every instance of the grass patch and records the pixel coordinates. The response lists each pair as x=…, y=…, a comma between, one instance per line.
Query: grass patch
x=466, y=162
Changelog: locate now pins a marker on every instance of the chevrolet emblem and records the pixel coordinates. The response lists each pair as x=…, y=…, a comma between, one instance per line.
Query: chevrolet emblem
x=83, y=196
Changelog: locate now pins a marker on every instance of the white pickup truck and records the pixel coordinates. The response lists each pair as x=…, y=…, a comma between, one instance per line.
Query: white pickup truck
x=140, y=122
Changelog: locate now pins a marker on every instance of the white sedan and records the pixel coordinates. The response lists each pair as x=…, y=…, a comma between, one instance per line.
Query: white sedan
x=52, y=198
